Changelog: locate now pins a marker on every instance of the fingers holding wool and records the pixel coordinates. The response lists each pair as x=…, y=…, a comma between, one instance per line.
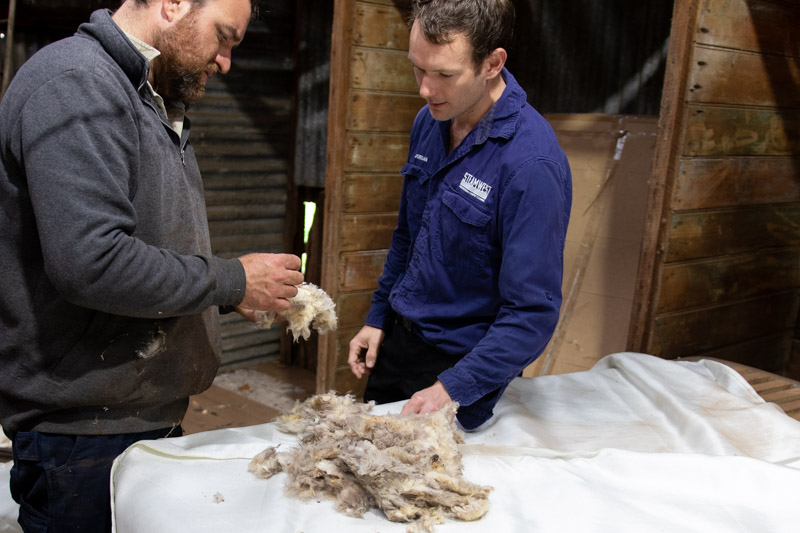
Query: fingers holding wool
x=312, y=308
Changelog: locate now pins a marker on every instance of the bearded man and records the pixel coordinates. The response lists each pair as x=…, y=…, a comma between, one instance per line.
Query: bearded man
x=109, y=293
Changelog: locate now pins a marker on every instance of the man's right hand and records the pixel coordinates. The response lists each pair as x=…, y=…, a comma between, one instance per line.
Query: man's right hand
x=271, y=280
x=364, y=350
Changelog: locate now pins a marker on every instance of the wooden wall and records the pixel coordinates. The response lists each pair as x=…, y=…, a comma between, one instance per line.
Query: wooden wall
x=373, y=102
x=720, y=269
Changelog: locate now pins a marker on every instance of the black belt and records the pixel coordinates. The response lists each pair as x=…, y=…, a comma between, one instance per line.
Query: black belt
x=407, y=324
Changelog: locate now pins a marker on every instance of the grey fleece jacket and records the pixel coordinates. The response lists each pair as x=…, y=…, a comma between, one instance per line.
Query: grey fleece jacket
x=108, y=288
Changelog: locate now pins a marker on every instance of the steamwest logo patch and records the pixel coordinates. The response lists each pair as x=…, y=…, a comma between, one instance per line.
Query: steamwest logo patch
x=475, y=187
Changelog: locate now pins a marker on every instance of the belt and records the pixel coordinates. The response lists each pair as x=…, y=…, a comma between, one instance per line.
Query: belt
x=408, y=325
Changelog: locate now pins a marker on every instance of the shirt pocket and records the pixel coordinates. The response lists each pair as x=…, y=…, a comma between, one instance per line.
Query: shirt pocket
x=462, y=237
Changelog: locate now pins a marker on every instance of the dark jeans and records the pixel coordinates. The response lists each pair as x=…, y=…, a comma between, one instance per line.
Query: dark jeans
x=405, y=364
x=61, y=482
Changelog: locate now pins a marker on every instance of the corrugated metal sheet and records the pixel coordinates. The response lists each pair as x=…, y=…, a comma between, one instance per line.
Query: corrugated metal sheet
x=581, y=56
x=315, y=19
x=242, y=135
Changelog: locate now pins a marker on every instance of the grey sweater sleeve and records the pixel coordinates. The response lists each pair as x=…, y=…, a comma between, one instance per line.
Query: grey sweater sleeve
x=120, y=218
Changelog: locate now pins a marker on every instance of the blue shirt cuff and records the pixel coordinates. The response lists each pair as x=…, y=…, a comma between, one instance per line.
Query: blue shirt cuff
x=378, y=315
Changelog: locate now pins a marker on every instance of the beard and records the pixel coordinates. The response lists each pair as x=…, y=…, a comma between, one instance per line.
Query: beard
x=178, y=73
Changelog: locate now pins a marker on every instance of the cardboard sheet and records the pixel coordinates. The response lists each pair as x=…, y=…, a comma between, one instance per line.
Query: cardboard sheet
x=634, y=444
x=610, y=157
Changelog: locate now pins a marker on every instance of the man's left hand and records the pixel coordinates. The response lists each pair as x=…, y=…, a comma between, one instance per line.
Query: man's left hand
x=427, y=400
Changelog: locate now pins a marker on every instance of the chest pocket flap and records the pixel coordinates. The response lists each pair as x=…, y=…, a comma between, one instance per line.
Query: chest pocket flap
x=465, y=210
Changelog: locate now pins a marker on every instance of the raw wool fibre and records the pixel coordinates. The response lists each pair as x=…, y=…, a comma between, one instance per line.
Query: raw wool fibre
x=408, y=466
x=312, y=307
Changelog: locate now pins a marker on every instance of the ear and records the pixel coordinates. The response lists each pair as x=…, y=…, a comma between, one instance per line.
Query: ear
x=173, y=10
x=494, y=64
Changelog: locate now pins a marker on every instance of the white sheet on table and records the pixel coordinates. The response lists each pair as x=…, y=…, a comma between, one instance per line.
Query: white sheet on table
x=636, y=444
x=8, y=507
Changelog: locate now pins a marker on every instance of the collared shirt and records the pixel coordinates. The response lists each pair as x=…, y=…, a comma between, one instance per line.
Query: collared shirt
x=174, y=110
x=476, y=260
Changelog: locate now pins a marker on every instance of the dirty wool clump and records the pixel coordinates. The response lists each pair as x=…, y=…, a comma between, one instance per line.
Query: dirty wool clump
x=311, y=308
x=407, y=466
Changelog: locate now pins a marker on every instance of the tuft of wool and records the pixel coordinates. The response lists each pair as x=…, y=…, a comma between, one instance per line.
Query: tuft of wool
x=407, y=466
x=311, y=308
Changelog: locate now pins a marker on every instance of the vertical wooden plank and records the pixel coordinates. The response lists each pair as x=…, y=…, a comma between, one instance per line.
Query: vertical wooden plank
x=341, y=50
x=665, y=167
x=8, y=65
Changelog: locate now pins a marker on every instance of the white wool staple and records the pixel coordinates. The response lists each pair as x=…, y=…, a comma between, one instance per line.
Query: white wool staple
x=311, y=308
x=407, y=466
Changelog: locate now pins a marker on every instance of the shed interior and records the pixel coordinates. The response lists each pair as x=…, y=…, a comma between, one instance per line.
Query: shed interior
x=681, y=123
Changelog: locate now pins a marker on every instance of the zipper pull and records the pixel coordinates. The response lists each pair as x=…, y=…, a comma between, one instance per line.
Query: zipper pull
x=183, y=157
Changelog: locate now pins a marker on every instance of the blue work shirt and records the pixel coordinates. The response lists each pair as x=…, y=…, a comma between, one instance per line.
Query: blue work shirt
x=476, y=260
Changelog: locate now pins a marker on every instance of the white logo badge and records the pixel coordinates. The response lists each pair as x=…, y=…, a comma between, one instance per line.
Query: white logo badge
x=421, y=158
x=475, y=187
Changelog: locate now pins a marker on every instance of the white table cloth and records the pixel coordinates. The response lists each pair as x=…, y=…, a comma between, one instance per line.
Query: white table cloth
x=8, y=508
x=636, y=444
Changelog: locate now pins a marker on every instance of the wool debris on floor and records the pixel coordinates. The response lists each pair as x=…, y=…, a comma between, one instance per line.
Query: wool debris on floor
x=248, y=395
x=261, y=388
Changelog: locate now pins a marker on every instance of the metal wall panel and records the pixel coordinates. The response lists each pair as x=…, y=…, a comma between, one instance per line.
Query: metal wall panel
x=314, y=21
x=582, y=56
x=242, y=132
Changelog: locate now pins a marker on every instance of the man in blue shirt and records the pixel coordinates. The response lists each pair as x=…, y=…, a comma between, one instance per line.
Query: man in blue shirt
x=471, y=288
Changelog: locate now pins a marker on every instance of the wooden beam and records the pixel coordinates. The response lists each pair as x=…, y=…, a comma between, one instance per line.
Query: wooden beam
x=670, y=142
x=341, y=49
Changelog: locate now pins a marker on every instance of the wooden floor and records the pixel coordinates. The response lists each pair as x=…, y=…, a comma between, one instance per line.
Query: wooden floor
x=784, y=392
x=773, y=388
x=219, y=408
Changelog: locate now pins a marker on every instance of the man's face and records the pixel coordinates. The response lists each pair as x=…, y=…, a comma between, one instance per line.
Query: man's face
x=447, y=77
x=198, y=45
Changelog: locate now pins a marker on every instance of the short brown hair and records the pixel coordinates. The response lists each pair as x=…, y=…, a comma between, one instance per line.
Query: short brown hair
x=199, y=3
x=487, y=24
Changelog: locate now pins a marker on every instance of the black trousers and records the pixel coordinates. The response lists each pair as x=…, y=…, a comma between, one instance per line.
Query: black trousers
x=405, y=364
x=62, y=481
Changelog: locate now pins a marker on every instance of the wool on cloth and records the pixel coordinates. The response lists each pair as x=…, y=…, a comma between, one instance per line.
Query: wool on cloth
x=407, y=466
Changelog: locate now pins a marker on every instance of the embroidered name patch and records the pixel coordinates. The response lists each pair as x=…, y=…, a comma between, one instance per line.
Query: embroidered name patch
x=421, y=158
x=475, y=187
